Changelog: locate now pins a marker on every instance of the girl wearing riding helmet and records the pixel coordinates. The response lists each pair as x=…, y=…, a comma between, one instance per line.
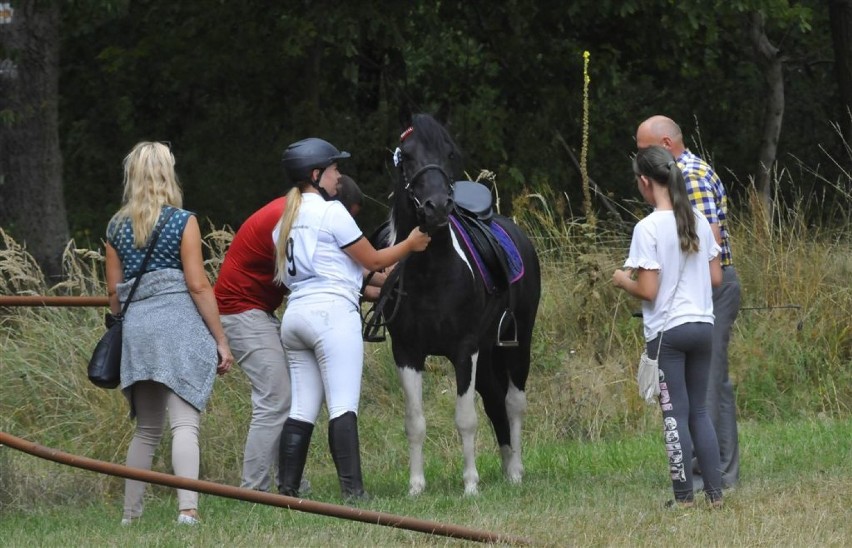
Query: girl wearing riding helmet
x=320, y=254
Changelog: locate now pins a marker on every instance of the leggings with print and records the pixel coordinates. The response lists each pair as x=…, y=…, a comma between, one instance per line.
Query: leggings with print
x=684, y=370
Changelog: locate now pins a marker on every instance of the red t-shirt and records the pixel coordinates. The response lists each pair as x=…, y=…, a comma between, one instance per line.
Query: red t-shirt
x=246, y=278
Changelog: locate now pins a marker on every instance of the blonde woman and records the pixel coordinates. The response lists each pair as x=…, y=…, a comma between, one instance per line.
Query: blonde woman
x=173, y=342
x=320, y=256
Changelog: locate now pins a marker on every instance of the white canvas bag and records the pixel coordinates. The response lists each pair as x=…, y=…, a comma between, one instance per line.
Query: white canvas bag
x=648, y=374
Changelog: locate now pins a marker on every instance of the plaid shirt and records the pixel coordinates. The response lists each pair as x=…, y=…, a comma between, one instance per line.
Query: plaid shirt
x=707, y=194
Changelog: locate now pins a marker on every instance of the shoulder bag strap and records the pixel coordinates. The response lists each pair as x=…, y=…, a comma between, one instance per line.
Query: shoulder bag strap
x=669, y=308
x=155, y=235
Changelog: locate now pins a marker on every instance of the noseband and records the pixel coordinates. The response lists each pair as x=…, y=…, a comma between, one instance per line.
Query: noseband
x=409, y=181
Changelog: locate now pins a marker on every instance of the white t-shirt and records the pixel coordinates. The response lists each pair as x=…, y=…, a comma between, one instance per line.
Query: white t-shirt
x=655, y=246
x=316, y=262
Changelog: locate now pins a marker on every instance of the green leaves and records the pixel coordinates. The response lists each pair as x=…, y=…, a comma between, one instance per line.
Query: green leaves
x=233, y=83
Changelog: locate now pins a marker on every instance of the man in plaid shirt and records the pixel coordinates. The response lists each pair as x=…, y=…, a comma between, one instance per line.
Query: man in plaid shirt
x=707, y=194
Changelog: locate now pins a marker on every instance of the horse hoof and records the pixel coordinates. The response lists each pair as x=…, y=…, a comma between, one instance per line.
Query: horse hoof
x=514, y=475
x=416, y=488
x=471, y=490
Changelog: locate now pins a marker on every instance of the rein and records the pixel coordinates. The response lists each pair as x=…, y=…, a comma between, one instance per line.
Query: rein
x=373, y=319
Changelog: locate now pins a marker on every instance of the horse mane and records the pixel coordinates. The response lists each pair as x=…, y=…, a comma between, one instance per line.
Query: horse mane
x=433, y=135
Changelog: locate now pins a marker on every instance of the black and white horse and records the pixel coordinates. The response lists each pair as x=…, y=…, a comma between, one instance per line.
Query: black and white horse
x=441, y=306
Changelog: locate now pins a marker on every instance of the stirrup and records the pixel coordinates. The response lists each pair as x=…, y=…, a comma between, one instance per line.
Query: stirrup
x=508, y=342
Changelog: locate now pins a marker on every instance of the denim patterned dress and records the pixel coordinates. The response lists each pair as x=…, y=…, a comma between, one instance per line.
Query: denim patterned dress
x=165, y=338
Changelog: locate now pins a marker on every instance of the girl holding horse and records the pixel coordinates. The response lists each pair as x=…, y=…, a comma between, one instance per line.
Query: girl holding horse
x=320, y=254
x=672, y=265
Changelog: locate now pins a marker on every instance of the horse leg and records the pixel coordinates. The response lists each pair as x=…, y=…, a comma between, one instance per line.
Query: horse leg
x=516, y=408
x=415, y=426
x=466, y=423
x=510, y=362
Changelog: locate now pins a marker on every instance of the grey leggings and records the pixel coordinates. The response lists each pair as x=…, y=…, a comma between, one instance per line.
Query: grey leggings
x=684, y=371
x=152, y=400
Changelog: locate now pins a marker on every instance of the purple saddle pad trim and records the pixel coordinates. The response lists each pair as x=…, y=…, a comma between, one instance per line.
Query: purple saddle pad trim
x=513, y=256
x=486, y=277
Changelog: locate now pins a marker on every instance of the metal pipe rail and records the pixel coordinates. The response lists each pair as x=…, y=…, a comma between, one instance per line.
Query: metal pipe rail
x=250, y=495
x=229, y=491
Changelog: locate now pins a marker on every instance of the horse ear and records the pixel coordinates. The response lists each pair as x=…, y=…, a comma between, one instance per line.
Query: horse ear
x=405, y=115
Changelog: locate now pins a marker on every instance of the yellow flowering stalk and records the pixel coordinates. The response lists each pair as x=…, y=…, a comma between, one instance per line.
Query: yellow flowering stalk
x=584, y=172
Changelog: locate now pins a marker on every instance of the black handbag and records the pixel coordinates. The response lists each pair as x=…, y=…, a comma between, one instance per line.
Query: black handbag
x=105, y=364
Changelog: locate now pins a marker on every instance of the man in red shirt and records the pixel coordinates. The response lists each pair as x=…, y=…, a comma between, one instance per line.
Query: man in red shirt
x=248, y=298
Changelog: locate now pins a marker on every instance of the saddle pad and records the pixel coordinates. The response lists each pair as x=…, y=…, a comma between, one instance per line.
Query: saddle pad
x=511, y=256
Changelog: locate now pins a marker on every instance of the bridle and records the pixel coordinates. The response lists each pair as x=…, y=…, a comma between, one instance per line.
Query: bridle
x=409, y=181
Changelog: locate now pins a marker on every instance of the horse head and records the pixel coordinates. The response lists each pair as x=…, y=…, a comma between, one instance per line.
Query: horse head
x=426, y=160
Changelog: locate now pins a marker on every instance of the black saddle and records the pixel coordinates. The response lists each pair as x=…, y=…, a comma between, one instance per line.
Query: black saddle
x=474, y=198
x=474, y=207
x=474, y=213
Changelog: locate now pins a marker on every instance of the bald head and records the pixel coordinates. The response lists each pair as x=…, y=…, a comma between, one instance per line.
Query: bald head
x=662, y=131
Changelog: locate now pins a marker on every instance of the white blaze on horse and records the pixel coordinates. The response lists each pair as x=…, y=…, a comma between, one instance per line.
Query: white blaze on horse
x=471, y=297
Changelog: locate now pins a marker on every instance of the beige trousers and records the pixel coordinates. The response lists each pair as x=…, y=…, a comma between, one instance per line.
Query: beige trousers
x=153, y=400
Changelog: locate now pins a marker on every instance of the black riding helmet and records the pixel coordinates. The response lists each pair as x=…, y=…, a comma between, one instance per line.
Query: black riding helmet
x=302, y=157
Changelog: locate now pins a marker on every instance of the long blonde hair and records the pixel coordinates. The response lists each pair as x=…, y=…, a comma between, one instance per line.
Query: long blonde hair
x=285, y=225
x=150, y=182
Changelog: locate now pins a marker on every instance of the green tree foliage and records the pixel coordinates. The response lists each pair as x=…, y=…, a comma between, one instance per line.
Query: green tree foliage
x=230, y=84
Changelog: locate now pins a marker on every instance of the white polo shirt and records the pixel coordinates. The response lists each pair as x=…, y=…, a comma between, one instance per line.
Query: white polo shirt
x=655, y=246
x=316, y=262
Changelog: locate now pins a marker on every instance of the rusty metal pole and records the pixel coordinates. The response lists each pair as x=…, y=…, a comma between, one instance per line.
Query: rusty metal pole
x=229, y=491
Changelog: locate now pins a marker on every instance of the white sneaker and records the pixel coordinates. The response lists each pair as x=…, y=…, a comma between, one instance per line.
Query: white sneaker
x=185, y=519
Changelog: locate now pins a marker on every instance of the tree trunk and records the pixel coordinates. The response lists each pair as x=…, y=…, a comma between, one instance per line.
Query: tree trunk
x=32, y=206
x=770, y=62
x=840, y=15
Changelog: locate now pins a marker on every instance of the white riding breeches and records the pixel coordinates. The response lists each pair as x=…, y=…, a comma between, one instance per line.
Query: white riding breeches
x=321, y=335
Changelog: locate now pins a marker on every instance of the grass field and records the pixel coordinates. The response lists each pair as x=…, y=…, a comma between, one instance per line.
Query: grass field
x=796, y=490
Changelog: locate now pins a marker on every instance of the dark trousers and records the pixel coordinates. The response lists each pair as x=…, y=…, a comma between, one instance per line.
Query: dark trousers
x=721, y=400
x=684, y=362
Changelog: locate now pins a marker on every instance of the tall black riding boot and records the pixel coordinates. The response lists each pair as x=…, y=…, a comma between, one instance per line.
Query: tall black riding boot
x=346, y=452
x=293, y=452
